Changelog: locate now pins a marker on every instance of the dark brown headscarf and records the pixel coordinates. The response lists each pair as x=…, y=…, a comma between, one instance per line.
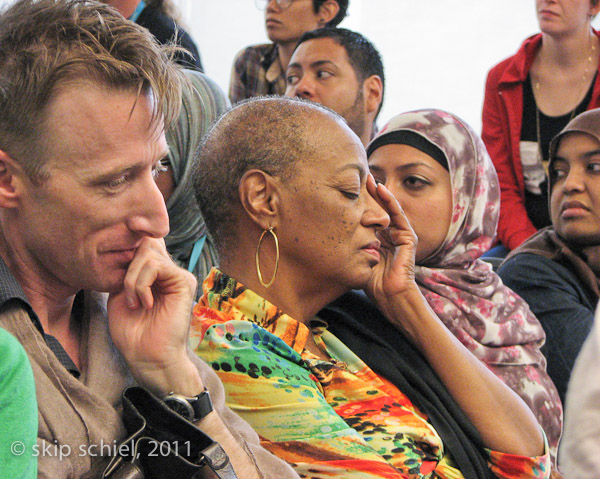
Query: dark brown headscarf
x=588, y=122
x=547, y=242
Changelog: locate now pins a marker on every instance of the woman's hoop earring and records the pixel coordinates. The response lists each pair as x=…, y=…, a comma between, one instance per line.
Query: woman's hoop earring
x=260, y=278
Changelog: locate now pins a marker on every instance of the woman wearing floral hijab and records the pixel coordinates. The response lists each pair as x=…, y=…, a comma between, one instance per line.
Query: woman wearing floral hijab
x=441, y=174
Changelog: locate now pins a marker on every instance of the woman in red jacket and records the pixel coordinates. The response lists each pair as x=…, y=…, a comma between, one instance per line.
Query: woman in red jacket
x=529, y=98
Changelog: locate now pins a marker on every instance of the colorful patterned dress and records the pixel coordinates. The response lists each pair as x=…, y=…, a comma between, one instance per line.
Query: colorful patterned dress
x=329, y=419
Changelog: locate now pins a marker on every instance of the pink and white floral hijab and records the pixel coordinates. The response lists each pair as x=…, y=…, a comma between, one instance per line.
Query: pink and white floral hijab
x=492, y=321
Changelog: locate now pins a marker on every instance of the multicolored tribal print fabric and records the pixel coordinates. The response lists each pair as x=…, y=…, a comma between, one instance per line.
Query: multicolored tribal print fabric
x=329, y=419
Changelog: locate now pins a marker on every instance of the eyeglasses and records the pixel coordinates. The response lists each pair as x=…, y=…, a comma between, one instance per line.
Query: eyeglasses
x=282, y=4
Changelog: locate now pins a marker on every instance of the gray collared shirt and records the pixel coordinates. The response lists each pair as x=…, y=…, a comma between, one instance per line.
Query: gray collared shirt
x=11, y=292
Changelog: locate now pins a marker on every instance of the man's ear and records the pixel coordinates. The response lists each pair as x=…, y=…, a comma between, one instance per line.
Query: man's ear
x=373, y=93
x=327, y=12
x=10, y=183
x=259, y=194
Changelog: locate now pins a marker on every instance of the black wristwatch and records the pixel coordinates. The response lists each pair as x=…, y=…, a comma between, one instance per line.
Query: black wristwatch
x=193, y=409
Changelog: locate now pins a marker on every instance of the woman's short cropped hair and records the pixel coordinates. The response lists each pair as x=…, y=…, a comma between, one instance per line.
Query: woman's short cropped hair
x=271, y=134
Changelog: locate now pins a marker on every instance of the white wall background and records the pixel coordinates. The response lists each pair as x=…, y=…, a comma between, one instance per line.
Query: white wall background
x=436, y=53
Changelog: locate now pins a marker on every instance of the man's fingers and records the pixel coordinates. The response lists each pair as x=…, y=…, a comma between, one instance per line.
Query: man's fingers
x=143, y=272
x=138, y=283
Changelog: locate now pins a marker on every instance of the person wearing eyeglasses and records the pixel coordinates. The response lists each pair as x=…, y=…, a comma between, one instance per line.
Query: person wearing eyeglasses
x=260, y=69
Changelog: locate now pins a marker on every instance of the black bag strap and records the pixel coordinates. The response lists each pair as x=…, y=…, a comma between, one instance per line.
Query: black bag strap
x=163, y=444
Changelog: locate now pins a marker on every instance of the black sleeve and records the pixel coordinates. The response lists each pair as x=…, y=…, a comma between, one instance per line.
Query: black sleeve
x=561, y=304
x=191, y=59
x=165, y=30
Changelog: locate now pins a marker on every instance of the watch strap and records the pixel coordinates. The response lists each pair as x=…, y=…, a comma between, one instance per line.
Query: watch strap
x=202, y=405
x=149, y=421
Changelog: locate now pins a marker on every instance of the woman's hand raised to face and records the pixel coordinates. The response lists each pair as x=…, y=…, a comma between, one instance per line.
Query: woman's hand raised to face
x=395, y=273
x=502, y=419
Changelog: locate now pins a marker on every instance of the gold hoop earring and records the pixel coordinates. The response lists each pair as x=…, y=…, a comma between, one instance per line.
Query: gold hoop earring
x=260, y=278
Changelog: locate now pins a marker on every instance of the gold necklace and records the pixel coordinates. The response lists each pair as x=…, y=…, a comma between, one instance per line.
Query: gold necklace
x=582, y=82
x=590, y=58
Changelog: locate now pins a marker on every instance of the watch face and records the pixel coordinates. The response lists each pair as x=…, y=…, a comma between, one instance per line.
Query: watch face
x=180, y=406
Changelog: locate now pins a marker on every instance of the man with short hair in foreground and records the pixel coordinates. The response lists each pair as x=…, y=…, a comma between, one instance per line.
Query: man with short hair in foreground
x=342, y=70
x=85, y=97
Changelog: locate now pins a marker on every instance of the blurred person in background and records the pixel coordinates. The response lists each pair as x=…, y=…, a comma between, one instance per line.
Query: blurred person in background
x=341, y=70
x=557, y=270
x=160, y=18
x=579, y=458
x=529, y=98
x=18, y=411
x=188, y=242
x=260, y=69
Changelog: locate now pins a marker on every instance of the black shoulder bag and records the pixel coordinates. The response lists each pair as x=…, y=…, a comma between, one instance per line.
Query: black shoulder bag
x=163, y=445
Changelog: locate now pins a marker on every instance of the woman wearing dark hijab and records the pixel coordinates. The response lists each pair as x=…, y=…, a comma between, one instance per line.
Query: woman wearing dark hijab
x=529, y=98
x=557, y=270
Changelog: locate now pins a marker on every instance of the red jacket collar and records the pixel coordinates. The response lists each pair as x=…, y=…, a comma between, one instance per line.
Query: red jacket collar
x=519, y=66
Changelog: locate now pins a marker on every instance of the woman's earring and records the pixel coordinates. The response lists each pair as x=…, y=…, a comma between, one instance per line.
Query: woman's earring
x=260, y=278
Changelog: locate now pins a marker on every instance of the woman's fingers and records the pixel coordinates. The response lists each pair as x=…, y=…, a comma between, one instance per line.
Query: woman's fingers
x=372, y=188
x=390, y=204
x=397, y=216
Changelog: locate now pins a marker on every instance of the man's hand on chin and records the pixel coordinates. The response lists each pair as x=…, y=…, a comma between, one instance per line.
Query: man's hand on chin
x=149, y=321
